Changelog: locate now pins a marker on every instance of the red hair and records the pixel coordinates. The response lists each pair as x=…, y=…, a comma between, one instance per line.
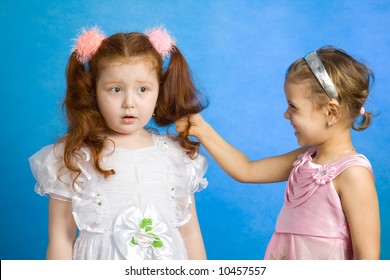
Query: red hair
x=178, y=97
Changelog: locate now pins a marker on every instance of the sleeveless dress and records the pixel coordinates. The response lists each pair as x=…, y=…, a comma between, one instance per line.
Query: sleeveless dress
x=134, y=214
x=312, y=224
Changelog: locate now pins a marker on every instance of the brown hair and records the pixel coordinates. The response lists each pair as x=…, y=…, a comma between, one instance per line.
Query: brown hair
x=177, y=97
x=351, y=78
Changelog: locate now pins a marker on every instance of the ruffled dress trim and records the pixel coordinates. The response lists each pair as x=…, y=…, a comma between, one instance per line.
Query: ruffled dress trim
x=186, y=176
x=45, y=166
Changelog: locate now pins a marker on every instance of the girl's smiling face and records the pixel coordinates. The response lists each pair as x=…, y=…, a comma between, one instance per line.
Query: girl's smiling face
x=309, y=122
x=127, y=93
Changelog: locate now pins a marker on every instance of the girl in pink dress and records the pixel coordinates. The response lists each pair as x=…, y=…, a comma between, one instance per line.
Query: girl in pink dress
x=331, y=207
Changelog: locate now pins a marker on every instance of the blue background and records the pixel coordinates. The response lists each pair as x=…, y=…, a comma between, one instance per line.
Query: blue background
x=238, y=51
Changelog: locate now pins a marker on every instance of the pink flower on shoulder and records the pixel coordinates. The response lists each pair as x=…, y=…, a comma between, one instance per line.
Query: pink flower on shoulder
x=298, y=160
x=324, y=174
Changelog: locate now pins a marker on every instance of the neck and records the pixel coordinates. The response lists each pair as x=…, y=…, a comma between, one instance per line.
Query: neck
x=132, y=141
x=334, y=148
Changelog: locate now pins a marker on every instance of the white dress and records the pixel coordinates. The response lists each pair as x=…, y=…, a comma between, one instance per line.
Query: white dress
x=134, y=214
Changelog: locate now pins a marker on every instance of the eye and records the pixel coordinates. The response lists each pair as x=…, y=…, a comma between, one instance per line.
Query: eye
x=116, y=90
x=142, y=90
x=292, y=106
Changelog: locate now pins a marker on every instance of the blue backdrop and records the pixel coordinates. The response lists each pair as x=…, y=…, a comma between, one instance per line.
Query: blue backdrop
x=238, y=51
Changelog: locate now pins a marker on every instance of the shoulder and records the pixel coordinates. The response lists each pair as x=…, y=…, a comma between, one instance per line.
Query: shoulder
x=47, y=165
x=301, y=155
x=349, y=164
x=355, y=176
x=190, y=170
x=172, y=148
x=355, y=173
x=50, y=153
x=166, y=142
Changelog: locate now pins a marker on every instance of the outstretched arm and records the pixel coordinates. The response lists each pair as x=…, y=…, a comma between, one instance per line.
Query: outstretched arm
x=62, y=230
x=192, y=236
x=233, y=161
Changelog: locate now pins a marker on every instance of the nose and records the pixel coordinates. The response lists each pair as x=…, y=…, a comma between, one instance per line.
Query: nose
x=287, y=114
x=128, y=100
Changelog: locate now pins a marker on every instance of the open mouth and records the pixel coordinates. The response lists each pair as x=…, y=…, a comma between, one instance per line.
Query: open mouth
x=295, y=129
x=129, y=119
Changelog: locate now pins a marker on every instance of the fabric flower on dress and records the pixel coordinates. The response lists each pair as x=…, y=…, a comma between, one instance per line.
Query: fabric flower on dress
x=91, y=212
x=324, y=174
x=298, y=160
x=142, y=236
x=145, y=237
x=162, y=143
x=303, y=158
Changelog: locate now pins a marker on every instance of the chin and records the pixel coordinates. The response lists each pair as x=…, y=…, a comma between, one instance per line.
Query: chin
x=301, y=143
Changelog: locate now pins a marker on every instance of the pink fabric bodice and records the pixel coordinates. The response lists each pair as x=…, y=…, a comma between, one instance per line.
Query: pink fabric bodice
x=313, y=208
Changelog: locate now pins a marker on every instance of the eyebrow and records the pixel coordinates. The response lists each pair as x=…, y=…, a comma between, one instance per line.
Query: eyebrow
x=144, y=82
x=112, y=82
x=109, y=82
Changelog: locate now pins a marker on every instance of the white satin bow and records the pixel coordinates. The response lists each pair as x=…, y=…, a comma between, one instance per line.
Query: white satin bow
x=143, y=236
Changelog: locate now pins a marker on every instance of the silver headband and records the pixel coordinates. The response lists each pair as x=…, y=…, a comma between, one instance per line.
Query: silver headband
x=319, y=71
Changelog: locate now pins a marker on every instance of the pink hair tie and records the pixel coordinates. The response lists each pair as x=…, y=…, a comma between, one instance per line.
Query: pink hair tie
x=87, y=43
x=161, y=40
x=362, y=110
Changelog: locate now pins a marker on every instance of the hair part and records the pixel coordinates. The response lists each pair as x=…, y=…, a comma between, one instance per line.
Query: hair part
x=178, y=97
x=351, y=78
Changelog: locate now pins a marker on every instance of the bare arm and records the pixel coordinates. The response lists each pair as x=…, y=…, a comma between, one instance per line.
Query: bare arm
x=62, y=230
x=233, y=161
x=193, y=237
x=360, y=203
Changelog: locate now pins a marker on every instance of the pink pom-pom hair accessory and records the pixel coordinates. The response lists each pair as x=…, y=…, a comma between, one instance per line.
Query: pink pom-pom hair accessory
x=161, y=40
x=87, y=43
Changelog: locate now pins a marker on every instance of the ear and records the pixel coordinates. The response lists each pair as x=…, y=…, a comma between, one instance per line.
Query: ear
x=332, y=111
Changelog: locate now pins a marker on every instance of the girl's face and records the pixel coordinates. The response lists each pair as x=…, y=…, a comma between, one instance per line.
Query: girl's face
x=127, y=94
x=308, y=121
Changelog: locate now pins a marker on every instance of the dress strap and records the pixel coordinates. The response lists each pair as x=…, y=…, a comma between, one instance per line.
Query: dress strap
x=352, y=160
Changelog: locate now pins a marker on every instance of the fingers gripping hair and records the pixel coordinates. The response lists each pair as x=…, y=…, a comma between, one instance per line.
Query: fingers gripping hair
x=179, y=97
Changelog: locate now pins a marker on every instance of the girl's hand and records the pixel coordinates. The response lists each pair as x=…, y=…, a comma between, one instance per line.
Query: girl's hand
x=192, y=124
x=182, y=124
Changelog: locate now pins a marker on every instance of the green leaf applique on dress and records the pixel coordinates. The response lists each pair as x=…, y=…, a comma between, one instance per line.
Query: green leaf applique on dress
x=144, y=237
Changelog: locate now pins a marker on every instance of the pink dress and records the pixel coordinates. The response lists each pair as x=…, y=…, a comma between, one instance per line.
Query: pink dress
x=312, y=224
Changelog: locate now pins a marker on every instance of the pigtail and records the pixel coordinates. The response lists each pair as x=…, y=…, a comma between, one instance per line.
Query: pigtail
x=84, y=120
x=364, y=123
x=178, y=98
